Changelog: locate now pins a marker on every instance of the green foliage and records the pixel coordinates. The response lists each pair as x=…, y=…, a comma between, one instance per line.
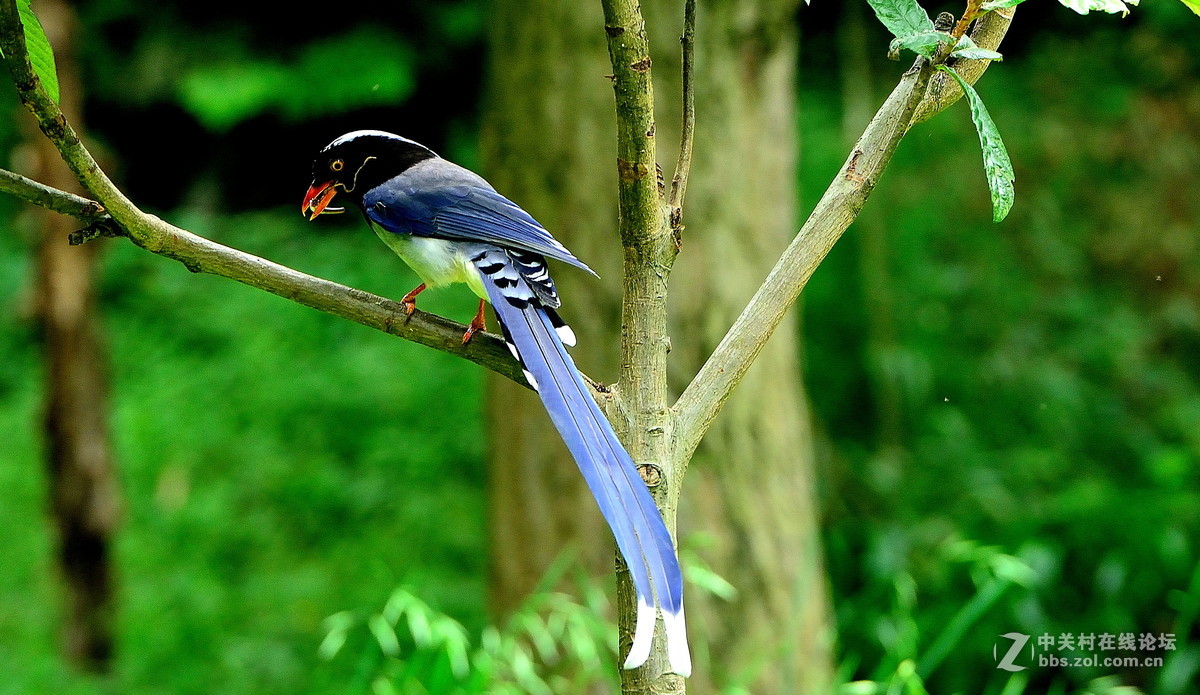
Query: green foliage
x=701, y=576
x=551, y=644
x=41, y=55
x=996, y=163
x=967, y=50
x=925, y=43
x=278, y=465
x=904, y=18
x=1110, y=6
x=999, y=4
x=365, y=67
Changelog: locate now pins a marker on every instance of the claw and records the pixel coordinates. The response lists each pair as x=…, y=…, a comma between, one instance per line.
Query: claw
x=479, y=323
x=409, y=301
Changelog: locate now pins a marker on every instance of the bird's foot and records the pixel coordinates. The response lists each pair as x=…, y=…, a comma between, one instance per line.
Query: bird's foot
x=479, y=323
x=409, y=301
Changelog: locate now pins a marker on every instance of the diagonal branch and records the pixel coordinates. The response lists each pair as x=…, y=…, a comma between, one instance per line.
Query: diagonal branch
x=201, y=255
x=703, y=399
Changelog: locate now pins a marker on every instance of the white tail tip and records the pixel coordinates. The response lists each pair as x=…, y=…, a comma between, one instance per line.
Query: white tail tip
x=643, y=635
x=677, y=645
x=566, y=335
x=678, y=653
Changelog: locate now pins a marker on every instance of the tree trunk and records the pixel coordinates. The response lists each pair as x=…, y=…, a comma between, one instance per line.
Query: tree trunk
x=548, y=144
x=83, y=486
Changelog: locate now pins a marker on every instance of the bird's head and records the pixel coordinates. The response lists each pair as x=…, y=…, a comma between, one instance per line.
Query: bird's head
x=354, y=164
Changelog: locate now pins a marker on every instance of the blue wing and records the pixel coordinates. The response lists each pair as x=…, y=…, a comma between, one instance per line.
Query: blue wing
x=446, y=201
x=533, y=333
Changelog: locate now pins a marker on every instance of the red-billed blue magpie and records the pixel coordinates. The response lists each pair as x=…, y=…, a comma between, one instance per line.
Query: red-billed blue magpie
x=450, y=225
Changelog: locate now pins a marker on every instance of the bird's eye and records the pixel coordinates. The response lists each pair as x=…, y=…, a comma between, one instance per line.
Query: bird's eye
x=337, y=165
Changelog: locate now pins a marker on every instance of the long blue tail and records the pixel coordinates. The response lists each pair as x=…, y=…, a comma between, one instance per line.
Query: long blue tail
x=532, y=332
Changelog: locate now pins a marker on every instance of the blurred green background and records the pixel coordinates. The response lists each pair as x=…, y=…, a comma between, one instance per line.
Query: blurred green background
x=1008, y=415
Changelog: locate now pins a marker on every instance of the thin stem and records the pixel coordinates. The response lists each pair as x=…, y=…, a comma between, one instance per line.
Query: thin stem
x=687, y=133
x=974, y=9
x=51, y=198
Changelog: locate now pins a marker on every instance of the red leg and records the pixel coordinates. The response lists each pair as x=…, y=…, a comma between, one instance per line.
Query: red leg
x=477, y=324
x=409, y=301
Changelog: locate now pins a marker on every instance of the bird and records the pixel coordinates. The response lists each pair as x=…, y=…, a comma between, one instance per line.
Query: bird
x=451, y=226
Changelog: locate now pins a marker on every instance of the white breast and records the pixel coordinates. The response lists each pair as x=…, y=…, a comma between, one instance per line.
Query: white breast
x=437, y=261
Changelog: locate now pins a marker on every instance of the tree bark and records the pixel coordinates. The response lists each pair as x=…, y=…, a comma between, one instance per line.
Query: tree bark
x=547, y=142
x=83, y=486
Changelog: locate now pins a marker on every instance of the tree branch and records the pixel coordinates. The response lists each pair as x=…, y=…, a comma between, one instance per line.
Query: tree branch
x=201, y=255
x=703, y=398
x=82, y=209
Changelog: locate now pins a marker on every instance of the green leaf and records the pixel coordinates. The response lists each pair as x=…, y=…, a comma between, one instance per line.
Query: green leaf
x=925, y=43
x=337, y=626
x=902, y=17
x=1193, y=5
x=999, y=4
x=384, y=635
x=711, y=582
x=996, y=163
x=1110, y=6
x=332, y=644
x=41, y=55
x=418, y=626
x=967, y=49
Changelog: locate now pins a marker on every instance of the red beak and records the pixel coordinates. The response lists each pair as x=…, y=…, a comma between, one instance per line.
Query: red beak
x=317, y=200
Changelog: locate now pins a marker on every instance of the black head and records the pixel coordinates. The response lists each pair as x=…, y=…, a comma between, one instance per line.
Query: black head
x=357, y=162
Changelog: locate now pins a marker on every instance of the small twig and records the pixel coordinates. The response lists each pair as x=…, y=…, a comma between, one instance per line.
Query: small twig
x=974, y=9
x=687, y=133
x=51, y=198
x=104, y=228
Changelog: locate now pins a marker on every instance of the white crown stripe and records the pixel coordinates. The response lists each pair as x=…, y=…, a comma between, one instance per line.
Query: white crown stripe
x=354, y=135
